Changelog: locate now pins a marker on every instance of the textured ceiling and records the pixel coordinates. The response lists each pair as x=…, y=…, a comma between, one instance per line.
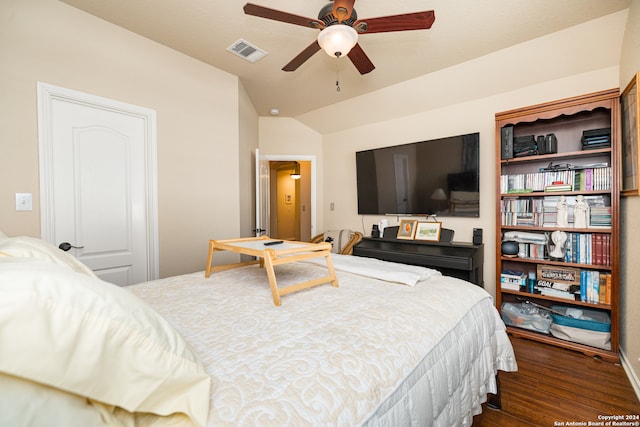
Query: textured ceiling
x=463, y=30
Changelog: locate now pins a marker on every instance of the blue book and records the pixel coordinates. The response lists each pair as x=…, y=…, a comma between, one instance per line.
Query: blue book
x=583, y=285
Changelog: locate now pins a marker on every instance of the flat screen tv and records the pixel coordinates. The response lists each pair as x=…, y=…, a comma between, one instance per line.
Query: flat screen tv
x=439, y=176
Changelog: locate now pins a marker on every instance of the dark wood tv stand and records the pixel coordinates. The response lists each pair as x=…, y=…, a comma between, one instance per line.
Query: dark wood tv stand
x=462, y=260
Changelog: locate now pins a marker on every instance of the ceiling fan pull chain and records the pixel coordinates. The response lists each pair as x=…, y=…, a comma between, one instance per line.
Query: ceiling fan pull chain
x=337, y=76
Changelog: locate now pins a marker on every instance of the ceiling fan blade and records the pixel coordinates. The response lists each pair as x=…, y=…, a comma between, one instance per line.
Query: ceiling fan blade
x=276, y=15
x=404, y=22
x=342, y=9
x=361, y=60
x=302, y=57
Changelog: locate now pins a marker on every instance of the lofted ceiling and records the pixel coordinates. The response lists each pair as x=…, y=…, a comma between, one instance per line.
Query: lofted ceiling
x=463, y=30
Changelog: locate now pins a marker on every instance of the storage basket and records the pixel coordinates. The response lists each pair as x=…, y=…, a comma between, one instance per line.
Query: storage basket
x=583, y=326
x=526, y=316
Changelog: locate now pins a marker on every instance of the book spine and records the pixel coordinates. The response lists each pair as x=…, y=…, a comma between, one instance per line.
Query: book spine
x=588, y=179
x=595, y=286
x=602, y=297
x=583, y=285
x=597, y=246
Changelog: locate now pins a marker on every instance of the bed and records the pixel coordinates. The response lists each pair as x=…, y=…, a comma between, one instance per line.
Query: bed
x=393, y=345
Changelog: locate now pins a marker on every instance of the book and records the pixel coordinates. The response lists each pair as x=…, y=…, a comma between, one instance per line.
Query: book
x=603, y=288
x=510, y=286
x=558, y=187
x=595, y=287
x=583, y=286
x=558, y=294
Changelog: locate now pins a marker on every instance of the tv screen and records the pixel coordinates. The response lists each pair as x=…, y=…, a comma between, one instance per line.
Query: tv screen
x=439, y=176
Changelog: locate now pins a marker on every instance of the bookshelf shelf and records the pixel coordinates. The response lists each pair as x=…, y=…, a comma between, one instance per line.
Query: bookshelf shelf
x=529, y=296
x=557, y=156
x=558, y=263
x=606, y=230
x=554, y=193
x=587, y=350
x=583, y=171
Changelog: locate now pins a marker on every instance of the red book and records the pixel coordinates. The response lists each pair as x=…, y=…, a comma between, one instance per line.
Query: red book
x=597, y=249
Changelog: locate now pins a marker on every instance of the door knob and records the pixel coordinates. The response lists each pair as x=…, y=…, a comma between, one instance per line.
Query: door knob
x=65, y=246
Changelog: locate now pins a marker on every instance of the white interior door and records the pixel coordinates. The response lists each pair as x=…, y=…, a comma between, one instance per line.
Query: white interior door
x=97, y=161
x=262, y=195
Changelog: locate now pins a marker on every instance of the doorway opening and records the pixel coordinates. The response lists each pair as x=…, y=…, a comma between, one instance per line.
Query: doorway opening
x=290, y=200
x=297, y=197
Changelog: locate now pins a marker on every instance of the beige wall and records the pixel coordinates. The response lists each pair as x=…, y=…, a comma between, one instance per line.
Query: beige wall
x=247, y=168
x=197, y=111
x=630, y=220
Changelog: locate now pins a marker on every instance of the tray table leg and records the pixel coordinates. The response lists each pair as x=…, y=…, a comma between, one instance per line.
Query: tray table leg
x=332, y=270
x=268, y=266
x=209, y=258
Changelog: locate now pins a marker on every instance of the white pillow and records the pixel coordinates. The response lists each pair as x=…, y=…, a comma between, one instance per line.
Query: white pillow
x=41, y=405
x=30, y=247
x=84, y=336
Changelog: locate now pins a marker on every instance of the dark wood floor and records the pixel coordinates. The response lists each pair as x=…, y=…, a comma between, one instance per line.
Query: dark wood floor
x=555, y=386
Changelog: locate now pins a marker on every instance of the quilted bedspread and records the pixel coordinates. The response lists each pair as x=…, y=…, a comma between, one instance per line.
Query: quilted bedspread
x=369, y=352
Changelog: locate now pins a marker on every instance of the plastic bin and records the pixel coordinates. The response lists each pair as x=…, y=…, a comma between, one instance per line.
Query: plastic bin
x=526, y=316
x=583, y=326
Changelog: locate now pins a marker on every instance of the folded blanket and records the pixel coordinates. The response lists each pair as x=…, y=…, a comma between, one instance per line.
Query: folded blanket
x=384, y=270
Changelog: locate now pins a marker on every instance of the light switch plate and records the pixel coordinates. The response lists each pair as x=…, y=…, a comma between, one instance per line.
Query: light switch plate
x=24, y=201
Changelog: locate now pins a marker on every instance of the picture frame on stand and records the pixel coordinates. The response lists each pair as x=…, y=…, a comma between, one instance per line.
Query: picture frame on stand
x=407, y=229
x=429, y=231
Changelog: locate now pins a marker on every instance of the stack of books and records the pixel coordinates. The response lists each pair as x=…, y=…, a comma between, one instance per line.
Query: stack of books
x=600, y=217
x=558, y=186
x=558, y=282
x=512, y=280
x=596, y=138
x=558, y=290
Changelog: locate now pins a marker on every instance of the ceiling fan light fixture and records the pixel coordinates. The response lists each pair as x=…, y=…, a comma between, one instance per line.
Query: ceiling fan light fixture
x=337, y=40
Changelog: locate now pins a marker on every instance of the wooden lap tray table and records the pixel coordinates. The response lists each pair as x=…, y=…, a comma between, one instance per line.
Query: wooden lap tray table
x=269, y=256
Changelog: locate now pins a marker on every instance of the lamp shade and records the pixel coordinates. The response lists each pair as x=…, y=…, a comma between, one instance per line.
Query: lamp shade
x=337, y=40
x=439, y=194
x=296, y=171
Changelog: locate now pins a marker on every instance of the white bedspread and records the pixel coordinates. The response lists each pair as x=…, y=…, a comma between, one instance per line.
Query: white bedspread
x=366, y=353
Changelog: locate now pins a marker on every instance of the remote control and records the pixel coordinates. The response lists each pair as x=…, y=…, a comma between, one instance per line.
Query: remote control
x=273, y=242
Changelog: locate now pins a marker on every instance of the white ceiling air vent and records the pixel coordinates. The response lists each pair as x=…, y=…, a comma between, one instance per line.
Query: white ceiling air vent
x=246, y=50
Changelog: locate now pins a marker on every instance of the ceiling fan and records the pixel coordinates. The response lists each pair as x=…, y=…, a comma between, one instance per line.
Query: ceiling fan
x=340, y=26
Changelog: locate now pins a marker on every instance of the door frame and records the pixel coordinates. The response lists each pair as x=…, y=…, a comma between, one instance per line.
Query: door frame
x=47, y=94
x=292, y=158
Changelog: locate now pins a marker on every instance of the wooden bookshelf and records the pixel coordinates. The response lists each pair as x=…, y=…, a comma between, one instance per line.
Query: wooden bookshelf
x=567, y=119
